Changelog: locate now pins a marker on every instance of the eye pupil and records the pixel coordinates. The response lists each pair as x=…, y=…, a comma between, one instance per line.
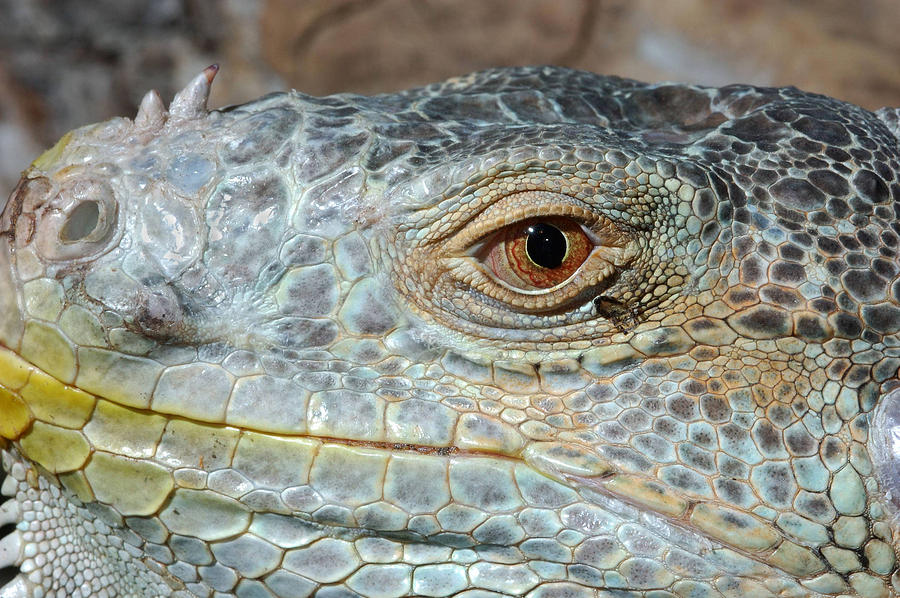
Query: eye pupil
x=546, y=245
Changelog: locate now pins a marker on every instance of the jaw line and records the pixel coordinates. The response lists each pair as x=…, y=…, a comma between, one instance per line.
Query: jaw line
x=628, y=496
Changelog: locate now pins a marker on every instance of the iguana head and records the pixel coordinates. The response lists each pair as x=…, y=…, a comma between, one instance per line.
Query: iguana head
x=561, y=332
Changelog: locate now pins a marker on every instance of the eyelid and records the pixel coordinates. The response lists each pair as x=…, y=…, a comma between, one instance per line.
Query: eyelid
x=522, y=206
x=477, y=277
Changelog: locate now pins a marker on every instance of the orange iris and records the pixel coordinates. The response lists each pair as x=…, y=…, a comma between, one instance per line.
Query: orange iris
x=538, y=253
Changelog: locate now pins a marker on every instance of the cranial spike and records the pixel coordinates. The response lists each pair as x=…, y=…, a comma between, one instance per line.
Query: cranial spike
x=152, y=111
x=190, y=102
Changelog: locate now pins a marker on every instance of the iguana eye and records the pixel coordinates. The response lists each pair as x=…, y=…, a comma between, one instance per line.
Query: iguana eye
x=531, y=252
x=537, y=253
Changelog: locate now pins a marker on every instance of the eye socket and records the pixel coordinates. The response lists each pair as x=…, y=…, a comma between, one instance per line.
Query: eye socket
x=530, y=252
x=537, y=253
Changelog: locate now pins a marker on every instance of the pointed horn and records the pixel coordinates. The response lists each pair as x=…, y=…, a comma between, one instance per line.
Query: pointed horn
x=190, y=102
x=152, y=111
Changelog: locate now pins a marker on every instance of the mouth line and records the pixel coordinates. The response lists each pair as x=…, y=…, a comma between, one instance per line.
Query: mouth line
x=51, y=421
x=421, y=449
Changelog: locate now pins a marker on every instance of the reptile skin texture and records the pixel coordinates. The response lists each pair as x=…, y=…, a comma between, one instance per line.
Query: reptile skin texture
x=528, y=332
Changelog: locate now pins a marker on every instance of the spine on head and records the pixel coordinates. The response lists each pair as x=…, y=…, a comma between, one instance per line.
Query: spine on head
x=188, y=103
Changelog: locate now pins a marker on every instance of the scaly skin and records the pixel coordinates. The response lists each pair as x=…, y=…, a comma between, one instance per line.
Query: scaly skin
x=306, y=346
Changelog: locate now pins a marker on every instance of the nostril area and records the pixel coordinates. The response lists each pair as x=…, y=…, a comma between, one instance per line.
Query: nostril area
x=81, y=222
x=75, y=219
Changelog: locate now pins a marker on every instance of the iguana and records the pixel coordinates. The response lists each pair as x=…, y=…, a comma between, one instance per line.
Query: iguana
x=526, y=332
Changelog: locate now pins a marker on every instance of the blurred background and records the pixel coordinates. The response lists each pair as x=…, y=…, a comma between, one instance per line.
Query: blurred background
x=66, y=63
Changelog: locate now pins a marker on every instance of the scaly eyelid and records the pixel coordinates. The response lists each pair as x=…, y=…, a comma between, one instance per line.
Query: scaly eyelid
x=459, y=253
x=475, y=275
x=522, y=206
x=601, y=256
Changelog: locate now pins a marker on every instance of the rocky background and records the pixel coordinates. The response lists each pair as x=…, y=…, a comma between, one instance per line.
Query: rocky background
x=65, y=63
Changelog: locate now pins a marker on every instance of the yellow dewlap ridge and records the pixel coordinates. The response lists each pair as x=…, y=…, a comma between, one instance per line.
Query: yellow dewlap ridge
x=26, y=394
x=15, y=415
x=58, y=426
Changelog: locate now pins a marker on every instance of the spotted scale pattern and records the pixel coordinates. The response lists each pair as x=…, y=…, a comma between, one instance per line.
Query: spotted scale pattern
x=265, y=360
